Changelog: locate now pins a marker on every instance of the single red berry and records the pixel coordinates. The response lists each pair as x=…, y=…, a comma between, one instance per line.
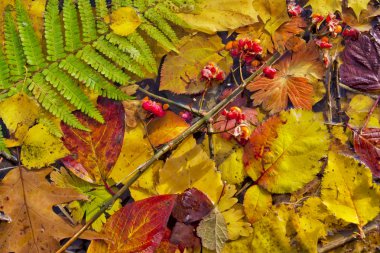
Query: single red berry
x=269, y=72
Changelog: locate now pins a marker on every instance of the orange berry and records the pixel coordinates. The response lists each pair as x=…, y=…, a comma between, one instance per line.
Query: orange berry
x=338, y=29
x=229, y=45
x=255, y=63
x=325, y=39
x=235, y=109
x=165, y=106
x=235, y=44
x=245, y=132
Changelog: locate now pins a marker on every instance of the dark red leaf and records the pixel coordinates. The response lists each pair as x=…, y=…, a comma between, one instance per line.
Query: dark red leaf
x=184, y=236
x=361, y=64
x=191, y=206
x=93, y=154
x=367, y=146
x=139, y=226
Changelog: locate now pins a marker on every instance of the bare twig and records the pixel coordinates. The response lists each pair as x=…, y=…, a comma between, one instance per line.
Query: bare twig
x=167, y=147
x=9, y=157
x=210, y=139
x=357, y=91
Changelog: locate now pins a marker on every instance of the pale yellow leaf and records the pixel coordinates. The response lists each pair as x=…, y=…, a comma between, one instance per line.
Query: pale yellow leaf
x=358, y=6
x=358, y=110
x=124, y=21
x=324, y=7
x=257, y=201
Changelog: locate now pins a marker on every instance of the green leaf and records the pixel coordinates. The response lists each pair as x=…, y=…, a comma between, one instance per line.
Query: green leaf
x=53, y=32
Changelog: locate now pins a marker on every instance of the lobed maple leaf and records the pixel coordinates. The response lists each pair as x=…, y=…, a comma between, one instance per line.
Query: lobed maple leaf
x=93, y=154
x=28, y=198
x=293, y=81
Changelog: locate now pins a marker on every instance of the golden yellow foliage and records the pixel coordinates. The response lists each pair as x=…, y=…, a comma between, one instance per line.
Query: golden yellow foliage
x=324, y=7
x=124, y=21
x=189, y=166
x=257, y=201
x=41, y=148
x=347, y=190
x=145, y=186
x=358, y=6
x=358, y=110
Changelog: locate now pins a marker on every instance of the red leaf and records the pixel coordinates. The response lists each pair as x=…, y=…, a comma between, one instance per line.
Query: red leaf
x=139, y=226
x=367, y=146
x=192, y=205
x=93, y=154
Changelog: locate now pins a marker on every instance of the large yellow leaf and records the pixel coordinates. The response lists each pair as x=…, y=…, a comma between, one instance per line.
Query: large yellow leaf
x=257, y=201
x=283, y=154
x=221, y=15
x=324, y=7
x=136, y=150
x=18, y=112
x=348, y=191
x=124, y=21
x=358, y=110
x=297, y=75
x=189, y=166
x=162, y=130
x=273, y=13
x=40, y=148
x=181, y=72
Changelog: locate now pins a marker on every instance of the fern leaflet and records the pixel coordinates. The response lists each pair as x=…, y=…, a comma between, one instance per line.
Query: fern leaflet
x=53, y=32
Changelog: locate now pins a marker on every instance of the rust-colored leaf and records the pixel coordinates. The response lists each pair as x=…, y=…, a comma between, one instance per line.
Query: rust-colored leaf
x=139, y=226
x=162, y=130
x=93, y=154
x=367, y=146
x=28, y=198
x=297, y=72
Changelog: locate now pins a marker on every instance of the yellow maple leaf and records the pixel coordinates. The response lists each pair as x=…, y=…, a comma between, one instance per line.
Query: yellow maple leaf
x=136, y=150
x=273, y=13
x=358, y=6
x=181, y=72
x=124, y=21
x=297, y=75
x=324, y=7
x=40, y=148
x=283, y=157
x=221, y=15
x=189, y=166
x=347, y=190
x=18, y=112
x=257, y=201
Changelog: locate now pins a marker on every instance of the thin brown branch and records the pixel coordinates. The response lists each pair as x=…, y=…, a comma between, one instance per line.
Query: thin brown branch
x=167, y=147
x=210, y=139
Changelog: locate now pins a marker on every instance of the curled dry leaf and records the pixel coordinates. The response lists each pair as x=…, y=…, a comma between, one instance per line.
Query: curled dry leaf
x=361, y=59
x=164, y=129
x=284, y=153
x=137, y=227
x=297, y=74
x=28, y=198
x=367, y=146
x=93, y=154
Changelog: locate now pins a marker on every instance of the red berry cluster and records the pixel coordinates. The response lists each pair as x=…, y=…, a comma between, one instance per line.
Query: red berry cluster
x=323, y=43
x=153, y=107
x=269, y=72
x=211, y=72
x=245, y=49
x=351, y=33
x=294, y=9
x=234, y=113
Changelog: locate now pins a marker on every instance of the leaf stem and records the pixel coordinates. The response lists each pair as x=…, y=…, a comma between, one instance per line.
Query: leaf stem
x=210, y=139
x=169, y=101
x=167, y=147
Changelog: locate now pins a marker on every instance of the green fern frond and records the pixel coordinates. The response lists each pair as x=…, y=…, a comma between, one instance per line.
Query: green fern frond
x=140, y=5
x=157, y=35
x=53, y=32
x=31, y=45
x=153, y=16
x=92, y=79
x=145, y=50
x=4, y=72
x=167, y=14
x=51, y=126
x=117, y=56
x=52, y=101
x=71, y=27
x=101, y=12
x=101, y=64
x=13, y=47
x=88, y=21
x=71, y=91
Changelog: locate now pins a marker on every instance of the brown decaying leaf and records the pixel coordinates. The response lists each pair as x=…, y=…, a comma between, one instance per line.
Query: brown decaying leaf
x=184, y=236
x=28, y=198
x=367, y=146
x=293, y=81
x=137, y=227
x=162, y=130
x=93, y=154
